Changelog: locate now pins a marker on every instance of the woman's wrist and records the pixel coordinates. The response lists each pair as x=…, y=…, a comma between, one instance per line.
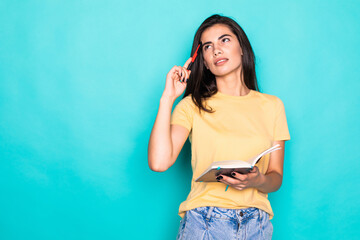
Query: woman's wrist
x=270, y=182
x=167, y=98
x=261, y=181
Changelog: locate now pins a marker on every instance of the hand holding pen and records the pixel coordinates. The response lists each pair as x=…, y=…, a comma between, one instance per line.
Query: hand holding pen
x=176, y=79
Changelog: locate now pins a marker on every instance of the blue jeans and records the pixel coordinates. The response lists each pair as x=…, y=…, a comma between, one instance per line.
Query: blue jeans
x=222, y=223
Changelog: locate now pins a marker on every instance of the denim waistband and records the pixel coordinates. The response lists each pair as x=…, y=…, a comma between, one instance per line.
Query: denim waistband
x=226, y=213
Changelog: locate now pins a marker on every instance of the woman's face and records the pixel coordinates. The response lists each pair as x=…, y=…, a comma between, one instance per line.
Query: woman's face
x=221, y=50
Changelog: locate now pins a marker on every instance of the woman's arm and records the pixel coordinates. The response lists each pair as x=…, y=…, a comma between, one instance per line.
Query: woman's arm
x=269, y=182
x=272, y=180
x=167, y=140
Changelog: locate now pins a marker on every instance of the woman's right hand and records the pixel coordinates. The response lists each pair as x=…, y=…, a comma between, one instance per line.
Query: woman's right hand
x=176, y=81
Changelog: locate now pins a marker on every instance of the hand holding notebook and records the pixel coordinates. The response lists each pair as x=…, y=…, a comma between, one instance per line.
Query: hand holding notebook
x=227, y=167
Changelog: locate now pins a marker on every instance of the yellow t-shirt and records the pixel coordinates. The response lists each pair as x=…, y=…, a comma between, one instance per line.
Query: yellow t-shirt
x=240, y=128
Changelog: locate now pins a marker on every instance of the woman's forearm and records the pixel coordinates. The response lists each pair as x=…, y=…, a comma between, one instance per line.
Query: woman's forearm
x=270, y=182
x=160, y=145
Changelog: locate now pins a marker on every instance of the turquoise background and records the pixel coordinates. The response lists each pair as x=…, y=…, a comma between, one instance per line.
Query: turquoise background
x=80, y=83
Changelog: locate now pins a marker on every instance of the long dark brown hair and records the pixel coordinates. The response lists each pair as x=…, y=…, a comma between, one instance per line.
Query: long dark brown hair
x=202, y=83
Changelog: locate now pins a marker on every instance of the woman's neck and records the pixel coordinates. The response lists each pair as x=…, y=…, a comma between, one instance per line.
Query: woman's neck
x=232, y=84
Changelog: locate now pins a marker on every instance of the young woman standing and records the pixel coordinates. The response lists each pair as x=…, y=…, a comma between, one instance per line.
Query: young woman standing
x=226, y=118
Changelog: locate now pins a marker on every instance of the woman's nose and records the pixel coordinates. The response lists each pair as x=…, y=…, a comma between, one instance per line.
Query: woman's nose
x=217, y=51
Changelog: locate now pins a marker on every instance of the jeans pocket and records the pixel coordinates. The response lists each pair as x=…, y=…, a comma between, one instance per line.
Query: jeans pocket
x=194, y=226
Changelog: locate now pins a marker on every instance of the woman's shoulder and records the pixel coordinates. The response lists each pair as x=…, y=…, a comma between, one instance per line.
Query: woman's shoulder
x=187, y=102
x=188, y=98
x=267, y=97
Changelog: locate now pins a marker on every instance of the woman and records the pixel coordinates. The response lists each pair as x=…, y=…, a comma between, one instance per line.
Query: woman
x=226, y=118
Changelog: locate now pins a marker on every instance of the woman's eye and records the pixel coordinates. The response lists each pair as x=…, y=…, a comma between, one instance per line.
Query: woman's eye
x=226, y=40
x=206, y=47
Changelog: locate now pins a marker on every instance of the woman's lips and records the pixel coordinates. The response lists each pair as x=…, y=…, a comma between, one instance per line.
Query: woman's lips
x=221, y=61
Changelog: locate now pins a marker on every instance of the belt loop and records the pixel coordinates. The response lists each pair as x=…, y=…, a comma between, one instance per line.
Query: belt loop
x=261, y=214
x=209, y=213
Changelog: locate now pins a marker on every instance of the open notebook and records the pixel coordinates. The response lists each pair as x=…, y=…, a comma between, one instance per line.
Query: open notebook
x=227, y=167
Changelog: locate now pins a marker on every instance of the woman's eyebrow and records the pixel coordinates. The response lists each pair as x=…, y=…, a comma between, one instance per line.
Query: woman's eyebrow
x=224, y=35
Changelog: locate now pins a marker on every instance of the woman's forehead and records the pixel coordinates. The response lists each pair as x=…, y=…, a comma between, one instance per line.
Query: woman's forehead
x=212, y=33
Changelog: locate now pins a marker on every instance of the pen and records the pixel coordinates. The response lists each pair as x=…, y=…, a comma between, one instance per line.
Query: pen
x=193, y=57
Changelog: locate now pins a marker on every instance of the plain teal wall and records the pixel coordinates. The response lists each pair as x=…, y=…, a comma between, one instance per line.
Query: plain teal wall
x=80, y=83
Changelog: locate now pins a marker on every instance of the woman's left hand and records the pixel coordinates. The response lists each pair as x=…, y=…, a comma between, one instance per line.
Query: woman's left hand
x=242, y=181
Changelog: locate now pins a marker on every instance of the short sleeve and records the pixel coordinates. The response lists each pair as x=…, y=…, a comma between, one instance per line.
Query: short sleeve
x=281, y=131
x=183, y=113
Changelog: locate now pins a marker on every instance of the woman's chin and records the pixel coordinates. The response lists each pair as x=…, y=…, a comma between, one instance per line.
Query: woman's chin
x=221, y=72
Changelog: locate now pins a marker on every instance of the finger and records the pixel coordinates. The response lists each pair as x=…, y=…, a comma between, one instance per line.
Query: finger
x=240, y=188
x=229, y=180
x=183, y=74
x=241, y=177
x=187, y=63
x=187, y=75
x=173, y=72
x=179, y=73
x=254, y=170
x=177, y=70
